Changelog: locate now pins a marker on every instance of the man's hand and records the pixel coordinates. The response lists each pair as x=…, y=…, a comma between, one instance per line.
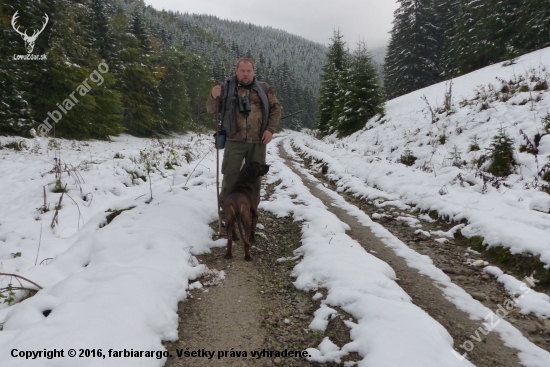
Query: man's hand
x=266, y=138
x=216, y=91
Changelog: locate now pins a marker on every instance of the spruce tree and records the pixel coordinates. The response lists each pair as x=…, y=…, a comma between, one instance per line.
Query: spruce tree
x=328, y=94
x=97, y=112
x=18, y=78
x=414, y=51
x=103, y=37
x=477, y=43
x=533, y=18
x=363, y=97
x=175, y=107
x=449, y=13
x=139, y=30
x=502, y=154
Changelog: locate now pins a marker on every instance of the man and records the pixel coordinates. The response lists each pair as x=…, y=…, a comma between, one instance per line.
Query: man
x=250, y=113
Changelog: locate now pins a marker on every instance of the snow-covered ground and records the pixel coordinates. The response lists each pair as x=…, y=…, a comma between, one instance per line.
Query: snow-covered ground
x=115, y=286
x=515, y=215
x=108, y=286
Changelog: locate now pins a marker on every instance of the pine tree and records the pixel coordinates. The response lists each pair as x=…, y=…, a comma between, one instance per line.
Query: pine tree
x=502, y=154
x=97, y=112
x=138, y=29
x=533, y=19
x=175, y=108
x=449, y=12
x=328, y=94
x=363, y=98
x=414, y=51
x=104, y=40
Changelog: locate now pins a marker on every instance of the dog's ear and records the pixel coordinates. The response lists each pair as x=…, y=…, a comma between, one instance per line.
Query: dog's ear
x=265, y=169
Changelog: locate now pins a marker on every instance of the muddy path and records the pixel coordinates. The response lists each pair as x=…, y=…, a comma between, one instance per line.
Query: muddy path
x=256, y=307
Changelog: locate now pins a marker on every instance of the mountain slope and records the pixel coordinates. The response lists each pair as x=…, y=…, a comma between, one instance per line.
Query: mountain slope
x=423, y=155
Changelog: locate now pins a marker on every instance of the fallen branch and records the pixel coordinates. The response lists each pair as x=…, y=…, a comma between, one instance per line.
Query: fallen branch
x=21, y=277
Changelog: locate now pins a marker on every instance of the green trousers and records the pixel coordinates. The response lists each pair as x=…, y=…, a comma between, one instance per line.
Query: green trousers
x=233, y=156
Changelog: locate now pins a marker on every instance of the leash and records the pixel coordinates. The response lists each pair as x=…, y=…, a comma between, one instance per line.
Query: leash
x=218, y=165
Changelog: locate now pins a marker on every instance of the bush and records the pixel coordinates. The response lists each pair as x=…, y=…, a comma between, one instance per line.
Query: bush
x=407, y=158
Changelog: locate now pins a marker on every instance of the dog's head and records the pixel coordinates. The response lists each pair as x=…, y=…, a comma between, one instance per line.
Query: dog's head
x=253, y=170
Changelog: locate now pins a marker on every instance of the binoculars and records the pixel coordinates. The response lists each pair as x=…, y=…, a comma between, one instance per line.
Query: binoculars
x=244, y=105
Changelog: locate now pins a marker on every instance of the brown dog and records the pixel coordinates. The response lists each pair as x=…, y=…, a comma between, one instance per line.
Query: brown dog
x=241, y=207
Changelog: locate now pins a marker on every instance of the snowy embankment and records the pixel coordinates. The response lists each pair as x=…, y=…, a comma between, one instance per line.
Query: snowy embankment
x=105, y=286
x=390, y=329
x=445, y=176
x=361, y=285
x=448, y=174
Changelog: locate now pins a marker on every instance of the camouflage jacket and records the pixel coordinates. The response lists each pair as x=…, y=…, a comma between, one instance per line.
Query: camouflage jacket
x=249, y=129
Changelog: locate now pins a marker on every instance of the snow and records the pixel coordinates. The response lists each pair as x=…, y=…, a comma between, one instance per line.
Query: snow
x=530, y=354
x=389, y=328
x=110, y=287
x=513, y=216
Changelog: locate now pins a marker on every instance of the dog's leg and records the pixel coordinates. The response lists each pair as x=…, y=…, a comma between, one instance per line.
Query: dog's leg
x=230, y=228
x=228, y=254
x=245, y=222
x=254, y=214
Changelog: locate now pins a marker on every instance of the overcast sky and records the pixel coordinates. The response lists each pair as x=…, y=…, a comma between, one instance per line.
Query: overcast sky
x=312, y=19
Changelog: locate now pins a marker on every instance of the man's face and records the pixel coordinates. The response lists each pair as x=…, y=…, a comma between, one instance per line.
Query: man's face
x=245, y=73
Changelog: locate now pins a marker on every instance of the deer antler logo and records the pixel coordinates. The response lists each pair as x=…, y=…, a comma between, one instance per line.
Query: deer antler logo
x=29, y=40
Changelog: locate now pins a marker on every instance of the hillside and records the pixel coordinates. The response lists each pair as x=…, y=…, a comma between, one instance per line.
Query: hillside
x=434, y=156
x=291, y=64
x=159, y=68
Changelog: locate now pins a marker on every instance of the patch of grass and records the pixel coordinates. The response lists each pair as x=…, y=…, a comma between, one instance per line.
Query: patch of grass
x=59, y=188
x=11, y=145
x=135, y=175
x=521, y=265
x=541, y=85
x=113, y=215
x=546, y=123
x=474, y=146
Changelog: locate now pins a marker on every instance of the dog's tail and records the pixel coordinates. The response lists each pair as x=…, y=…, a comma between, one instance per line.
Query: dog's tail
x=239, y=223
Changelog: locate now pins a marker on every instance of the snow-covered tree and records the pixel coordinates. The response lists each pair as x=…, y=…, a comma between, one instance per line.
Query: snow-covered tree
x=331, y=83
x=363, y=94
x=414, y=51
